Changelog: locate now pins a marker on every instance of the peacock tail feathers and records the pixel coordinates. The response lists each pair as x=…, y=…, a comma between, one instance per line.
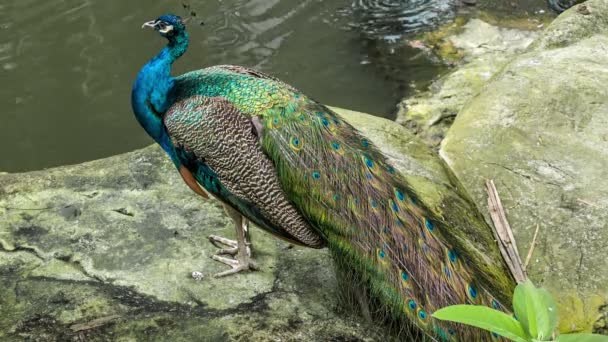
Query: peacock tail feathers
x=370, y=217
x=373, y=222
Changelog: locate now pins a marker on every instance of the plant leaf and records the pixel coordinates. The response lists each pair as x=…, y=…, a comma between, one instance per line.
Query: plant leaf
x=548, y=321
x=582, y=338
x=485, y=318
x=535, y=309
x=519, y=305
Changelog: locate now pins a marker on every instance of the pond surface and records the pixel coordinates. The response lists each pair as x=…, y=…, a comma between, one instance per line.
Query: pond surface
x=67, y=66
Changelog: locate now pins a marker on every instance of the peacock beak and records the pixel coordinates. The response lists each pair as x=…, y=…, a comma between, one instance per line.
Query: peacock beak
x=151, y=24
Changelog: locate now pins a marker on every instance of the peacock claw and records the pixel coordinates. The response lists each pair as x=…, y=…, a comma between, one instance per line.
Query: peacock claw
x=217, y=241
x=229, y=251
x=237, y=265
x=240, y=249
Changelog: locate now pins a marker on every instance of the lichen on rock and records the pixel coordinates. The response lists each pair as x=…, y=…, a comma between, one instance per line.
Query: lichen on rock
x=104, y=250
x=539, y=128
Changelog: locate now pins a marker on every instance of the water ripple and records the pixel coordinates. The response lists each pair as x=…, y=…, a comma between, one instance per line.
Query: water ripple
x=381, y=18
x=256, y=29
x=71, y=64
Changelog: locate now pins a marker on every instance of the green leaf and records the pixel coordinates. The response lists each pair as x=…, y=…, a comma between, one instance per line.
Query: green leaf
x=582, y=338
x=519, y=304
x=546, y=314
x=535, y=309
x=485, y=318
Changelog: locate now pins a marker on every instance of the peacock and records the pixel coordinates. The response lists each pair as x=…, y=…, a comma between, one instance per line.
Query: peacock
x=277, y=158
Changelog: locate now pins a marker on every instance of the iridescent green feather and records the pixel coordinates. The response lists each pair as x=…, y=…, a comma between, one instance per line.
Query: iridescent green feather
x=373, y=222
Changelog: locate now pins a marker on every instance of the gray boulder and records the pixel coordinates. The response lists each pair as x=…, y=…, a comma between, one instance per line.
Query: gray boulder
x=539, y=128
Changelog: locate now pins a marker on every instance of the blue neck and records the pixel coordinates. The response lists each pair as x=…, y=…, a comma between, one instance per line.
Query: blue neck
x=151, y=95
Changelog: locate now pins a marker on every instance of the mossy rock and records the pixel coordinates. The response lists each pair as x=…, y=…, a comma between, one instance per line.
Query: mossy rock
x=539, y=128
x=105, y=249
x=485, y=49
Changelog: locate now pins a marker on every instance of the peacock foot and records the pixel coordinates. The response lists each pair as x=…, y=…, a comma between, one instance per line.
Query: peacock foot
x=232, y=244
x=240, y=248
x=237, y=265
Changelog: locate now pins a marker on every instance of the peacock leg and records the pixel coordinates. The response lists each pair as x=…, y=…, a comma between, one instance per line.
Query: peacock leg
x=240, y=247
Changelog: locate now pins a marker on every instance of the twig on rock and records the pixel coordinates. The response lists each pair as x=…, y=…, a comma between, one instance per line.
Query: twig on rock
x=504, y=234
x=532, y=245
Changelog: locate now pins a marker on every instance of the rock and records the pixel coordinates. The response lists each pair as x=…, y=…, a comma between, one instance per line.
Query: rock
x=486, y=49
x=580, y=23
x=106, y=250
x=481, y=39
x=117, y=249
x=539, y=128
x=562, y=5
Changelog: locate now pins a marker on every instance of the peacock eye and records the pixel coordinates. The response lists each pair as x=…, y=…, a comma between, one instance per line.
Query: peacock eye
x=162, y=25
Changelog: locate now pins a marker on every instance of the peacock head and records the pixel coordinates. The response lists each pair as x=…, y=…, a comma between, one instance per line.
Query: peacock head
x=168, y=25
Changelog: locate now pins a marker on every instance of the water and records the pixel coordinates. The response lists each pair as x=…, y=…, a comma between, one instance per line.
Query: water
x=67, y=66
x=394, y=18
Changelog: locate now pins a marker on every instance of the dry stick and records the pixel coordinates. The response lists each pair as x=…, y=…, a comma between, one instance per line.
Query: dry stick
x=532, y=245
x=504, y=234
